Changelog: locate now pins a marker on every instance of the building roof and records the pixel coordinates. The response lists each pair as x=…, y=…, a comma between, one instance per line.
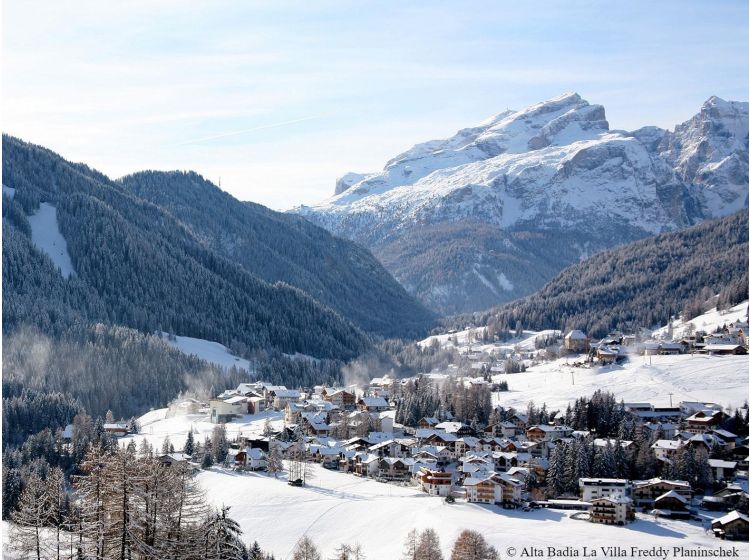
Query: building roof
x=672, y=494
x=729, y=517
x=576, y=335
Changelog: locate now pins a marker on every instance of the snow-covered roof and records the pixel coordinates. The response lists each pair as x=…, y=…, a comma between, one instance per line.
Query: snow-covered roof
x=672, y=494
x=729, y=517
x=576, y=335
x=374, y=401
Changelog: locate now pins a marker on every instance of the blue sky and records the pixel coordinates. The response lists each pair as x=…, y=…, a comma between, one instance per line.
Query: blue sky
x=278, y=99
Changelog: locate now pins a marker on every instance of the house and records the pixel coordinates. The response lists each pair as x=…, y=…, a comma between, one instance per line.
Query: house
x=456, y=428
x=646, y=491
x=672, y=504
x=725, y=349
x=117, y=430
x=435, y=483
x=171, y=459
x=722, y=470
x=372, y=404
x=251, y=458
x=576, y=341
x=732, y=526
x=280, y=397
x=314, y=423
x=545, y=432
x=704, y=420
x=607, y=354
x=664, y=449
x=592, y=488
x=342, y=398
x=395, y=468
x=612, y=510
x=480, y=489
x=428, y=422
x=493, y=488
x=226, y=409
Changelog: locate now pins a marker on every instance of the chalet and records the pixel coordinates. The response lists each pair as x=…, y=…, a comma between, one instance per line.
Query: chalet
x=545, y=432
x=480, y=489
x=280, y=397
x=664, y=449
x=466, y=444
x=608, y=354
x=732, y=526
x=251, y=458
x=456, y=428
x=390, y=448
x=314, y=423
x=372, y=404
x=729, y=439
x=520, y=420
x=612, y=510
x=435, y=483
x=576, y=341
x=691, y=407
x=171, y=459
x=725, y=349
x=722, y=470
x=646, y=491
x=395, y=468
x=592, y=488
x=366, y=464
x=117, y=430
x=704, y=420
x=428, y=422
x=293, y=412
x=342, y=398
x=672, y=504
x=493, y=488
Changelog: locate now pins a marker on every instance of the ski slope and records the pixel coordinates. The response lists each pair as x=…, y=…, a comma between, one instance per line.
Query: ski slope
x=337, y=508
x=719, y=379
x=210, y=351
x=46, y=236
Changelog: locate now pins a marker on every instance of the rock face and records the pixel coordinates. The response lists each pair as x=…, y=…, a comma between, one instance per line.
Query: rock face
x=495, y=211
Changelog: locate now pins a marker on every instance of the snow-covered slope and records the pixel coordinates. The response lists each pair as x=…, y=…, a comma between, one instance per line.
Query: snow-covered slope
x=719, y=379
x=337, y=508
x=212, y=352
x=708, y=321
x=537, y=189
x=45, y=233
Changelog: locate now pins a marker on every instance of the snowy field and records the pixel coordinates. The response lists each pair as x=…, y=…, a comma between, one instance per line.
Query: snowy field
x=45, y=233
x=719, y=379
x=212, y=352
x=339, y=508
x=156, y=426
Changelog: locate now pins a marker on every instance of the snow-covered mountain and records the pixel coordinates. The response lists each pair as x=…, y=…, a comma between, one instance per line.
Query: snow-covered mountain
x=495, y=211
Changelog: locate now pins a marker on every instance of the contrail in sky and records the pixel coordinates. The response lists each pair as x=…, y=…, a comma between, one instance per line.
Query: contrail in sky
x=246, y=130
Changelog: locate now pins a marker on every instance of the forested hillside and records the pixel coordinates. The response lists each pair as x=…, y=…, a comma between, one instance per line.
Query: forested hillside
x=641, y=284
x=287, y=248
x=136, y=265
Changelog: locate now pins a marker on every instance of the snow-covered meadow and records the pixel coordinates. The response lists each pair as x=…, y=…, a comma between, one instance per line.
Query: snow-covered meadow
x=719, y=379
x=338, y=508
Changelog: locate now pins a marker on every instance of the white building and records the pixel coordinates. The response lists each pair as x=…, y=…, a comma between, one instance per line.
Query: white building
x=593, y=488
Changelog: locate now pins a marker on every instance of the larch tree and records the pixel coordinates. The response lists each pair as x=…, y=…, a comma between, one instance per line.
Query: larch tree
x=305, y=549
x=471, y=545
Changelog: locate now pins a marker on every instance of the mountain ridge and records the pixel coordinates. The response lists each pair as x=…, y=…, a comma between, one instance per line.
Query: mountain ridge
x=553, y=170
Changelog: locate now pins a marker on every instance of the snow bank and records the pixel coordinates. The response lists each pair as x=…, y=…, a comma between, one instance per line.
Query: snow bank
x=45, y=233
